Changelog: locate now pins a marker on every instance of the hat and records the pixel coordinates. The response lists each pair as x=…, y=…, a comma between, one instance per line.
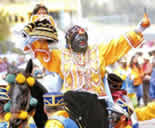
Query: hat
x=3, y=94
x=43, y=29
x=53, y=99
x=114, y=81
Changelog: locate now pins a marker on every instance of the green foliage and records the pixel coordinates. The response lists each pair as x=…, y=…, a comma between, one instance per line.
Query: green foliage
x=18, y=51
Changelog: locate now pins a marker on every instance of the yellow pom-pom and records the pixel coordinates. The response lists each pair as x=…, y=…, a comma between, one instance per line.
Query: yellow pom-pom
x=20, y=78
x=7, y=116
x=128, y=126
x=23, y=115
x=30, y=81
x=8, y=87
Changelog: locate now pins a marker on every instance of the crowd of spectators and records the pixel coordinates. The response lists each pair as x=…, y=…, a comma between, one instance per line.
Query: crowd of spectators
x=138, y=74
x=6, y=65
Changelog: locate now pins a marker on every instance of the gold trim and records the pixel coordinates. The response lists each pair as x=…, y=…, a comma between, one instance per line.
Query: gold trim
x=53, y=100
x=135, y=38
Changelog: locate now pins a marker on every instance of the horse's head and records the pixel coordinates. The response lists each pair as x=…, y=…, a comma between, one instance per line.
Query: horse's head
x=20, y=90
x=25, y=92
x=20, y=97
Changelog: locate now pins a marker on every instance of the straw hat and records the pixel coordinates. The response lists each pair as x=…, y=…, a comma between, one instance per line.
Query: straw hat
x=42, y=28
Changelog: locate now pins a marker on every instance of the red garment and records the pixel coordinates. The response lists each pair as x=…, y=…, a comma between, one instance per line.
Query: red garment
x=118, y=94
x=147, y=68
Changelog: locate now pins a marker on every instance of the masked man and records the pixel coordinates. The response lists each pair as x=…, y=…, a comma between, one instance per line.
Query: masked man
x=80, y=65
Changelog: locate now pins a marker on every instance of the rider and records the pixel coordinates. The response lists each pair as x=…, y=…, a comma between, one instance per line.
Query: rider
x=80, y=65
x=57, y=115
x=120, y=96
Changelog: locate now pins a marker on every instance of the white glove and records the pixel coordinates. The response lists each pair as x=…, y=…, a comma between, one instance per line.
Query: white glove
x=143, y=24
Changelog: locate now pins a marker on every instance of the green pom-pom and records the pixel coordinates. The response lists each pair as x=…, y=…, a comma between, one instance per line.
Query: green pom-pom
x=33, y=102
x=10, y=78
x=7, y=107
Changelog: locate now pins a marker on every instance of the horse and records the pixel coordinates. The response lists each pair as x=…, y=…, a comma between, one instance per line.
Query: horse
x=21, y=92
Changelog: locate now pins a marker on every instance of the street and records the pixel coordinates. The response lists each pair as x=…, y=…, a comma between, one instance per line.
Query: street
x=147, y=124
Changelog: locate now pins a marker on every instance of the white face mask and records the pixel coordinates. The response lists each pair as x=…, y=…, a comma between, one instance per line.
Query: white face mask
x=53, y=45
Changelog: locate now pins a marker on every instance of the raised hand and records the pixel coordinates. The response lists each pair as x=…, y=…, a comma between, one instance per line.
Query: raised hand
x=145, y=21
x=143, y=24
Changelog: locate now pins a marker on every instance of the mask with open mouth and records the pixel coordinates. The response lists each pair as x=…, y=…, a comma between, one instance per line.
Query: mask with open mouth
x=77, y=37
x=79, y=43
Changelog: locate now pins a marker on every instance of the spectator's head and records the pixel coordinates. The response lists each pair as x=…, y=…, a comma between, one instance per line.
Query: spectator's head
x=1, y=60
x=139, y=53
x=123, y=62
x=5, y=59
x=134, y=59
x=134, y=62
x=40, y=10
x=153, y=53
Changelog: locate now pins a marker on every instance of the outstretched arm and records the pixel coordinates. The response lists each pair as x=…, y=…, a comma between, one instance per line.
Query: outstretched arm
x=115, y=49
x=49, y=59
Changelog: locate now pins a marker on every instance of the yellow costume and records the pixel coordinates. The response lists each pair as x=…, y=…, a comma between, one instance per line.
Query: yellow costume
x=86, y=70
x=55, y=123
x=146, y=113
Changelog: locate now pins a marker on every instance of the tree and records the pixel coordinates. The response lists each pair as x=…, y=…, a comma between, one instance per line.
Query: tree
x=4, y=26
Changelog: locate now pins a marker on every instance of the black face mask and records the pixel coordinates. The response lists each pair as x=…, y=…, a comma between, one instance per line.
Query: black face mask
x=80, y=43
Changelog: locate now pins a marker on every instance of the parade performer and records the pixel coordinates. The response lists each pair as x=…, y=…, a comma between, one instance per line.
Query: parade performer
x=80, y=65
x=120, y=97
x=115, y=84
x=54, y=107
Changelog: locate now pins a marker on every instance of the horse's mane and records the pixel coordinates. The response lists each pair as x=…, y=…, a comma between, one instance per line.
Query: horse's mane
x=86, y=109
